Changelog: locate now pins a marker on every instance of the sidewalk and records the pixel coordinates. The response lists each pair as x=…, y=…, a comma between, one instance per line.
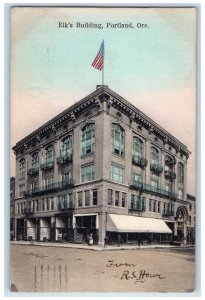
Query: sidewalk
x=97, y=247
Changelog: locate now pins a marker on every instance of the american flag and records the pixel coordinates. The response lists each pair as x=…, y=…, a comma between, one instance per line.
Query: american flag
x=99, y=59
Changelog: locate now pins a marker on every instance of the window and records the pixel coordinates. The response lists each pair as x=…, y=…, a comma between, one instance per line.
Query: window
x=159, y=207
x=150, y=204
x=124, y=199
x=52, y=203
x=21, y=190
x=66, y=147
x=110, y=197
x=118, y=139
x=172, y=209
x=165, y=208
x=95, y=197
x=49, y=154
x=189, y=220
x=22, y=168
x=42, y=204
x=154, y=185
x=87, y=198
x=66, y=179
x=180, y=194
x=190, y=206
x=80, y=199
x=154, y=205
x=87, y=173
x=180, y=172
x=87, y=139
x=143, y=203
x=116, y=173
x=33, y=187
x=154, y=155
x=48, y=183
x=117, y=198
x=35, y=161
x=37, y=206
x=65, y=201
x=137, y=178
x=48, y=203
x=138, y=147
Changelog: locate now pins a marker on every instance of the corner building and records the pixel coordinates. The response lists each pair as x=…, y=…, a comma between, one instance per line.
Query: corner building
x=101, y=167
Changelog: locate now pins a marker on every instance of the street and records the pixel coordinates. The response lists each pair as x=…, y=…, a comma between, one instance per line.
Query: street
x=56, y=269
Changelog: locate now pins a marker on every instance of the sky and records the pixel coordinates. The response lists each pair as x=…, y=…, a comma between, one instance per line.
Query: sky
x=153, y=67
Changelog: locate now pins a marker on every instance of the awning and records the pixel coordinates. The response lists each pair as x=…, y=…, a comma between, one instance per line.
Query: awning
x=124, y=223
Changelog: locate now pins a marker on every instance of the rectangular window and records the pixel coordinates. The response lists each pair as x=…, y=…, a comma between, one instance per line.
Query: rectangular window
x=66, y=178
x=33, y=187
x=150, y=204
x=43, y=204
x=80, y=199
x=143, y=203
x=172, y=209
x=116, y=173
x=124, y=199
x=180, y=194
x=87, y=198
x=165, y=208
x=37, y=205
x=48, y=182
x=95, y=197
x=48, y=203
x=132, y=201
x=21, y=190
x=87, y=173
x=169, y=208
x=110, y=197
x=117, y=197
x=52, y=203
x=154, y=205
x=154, y=184
x=159, y=207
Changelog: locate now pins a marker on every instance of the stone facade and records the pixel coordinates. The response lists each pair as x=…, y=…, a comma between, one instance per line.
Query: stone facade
x=100, y=156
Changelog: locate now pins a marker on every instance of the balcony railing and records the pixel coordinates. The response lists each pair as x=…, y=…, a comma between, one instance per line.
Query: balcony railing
x=33, y=171
x=157, y=190
x=53, y=187
x=47, y=165
x=156, y=168
x=138, y=185
x=170, y=174
x=137, y=208
x=170, y=161
x=64, y=159
x=139, y=161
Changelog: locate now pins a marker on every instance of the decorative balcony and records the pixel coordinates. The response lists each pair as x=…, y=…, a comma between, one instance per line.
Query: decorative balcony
x=33, y=171
x=138, y=185
x=170, y=161
x=170, y=174
x=53, y=187
x=47, y=165
x=66, y=159
x=159, y=191
x=139, y=161
x=156, y=168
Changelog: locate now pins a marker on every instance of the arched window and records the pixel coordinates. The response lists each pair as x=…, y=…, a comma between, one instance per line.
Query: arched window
x=87, y=139
x=35, y=160
x=49, y=154
x=66, y=146
x=118, y=139
x=180, y=172
x=138, y=147
x=22, y=168
x=154, y=155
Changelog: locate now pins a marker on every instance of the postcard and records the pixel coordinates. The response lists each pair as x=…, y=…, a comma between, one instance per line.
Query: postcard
x=103, y=134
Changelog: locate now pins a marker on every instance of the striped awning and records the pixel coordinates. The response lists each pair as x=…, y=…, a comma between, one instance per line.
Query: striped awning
x=124, y=223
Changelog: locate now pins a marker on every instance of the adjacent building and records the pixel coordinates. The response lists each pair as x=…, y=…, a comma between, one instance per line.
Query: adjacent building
x=12, y=206
x=101, y=167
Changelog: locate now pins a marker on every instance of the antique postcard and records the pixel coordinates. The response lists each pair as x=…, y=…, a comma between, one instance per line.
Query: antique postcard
x=103, y=134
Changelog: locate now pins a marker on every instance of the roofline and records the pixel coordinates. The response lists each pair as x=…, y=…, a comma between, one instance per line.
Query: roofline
x=100, y=90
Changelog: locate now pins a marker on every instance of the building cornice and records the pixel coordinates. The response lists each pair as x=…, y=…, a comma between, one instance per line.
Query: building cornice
x=103, y=93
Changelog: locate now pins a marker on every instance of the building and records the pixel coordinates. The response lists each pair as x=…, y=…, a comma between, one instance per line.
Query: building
x=101, y=167
x=12, y=206
x=191, y=219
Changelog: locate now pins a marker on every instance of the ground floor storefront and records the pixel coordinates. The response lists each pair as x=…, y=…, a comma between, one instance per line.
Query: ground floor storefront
x=99, y=229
